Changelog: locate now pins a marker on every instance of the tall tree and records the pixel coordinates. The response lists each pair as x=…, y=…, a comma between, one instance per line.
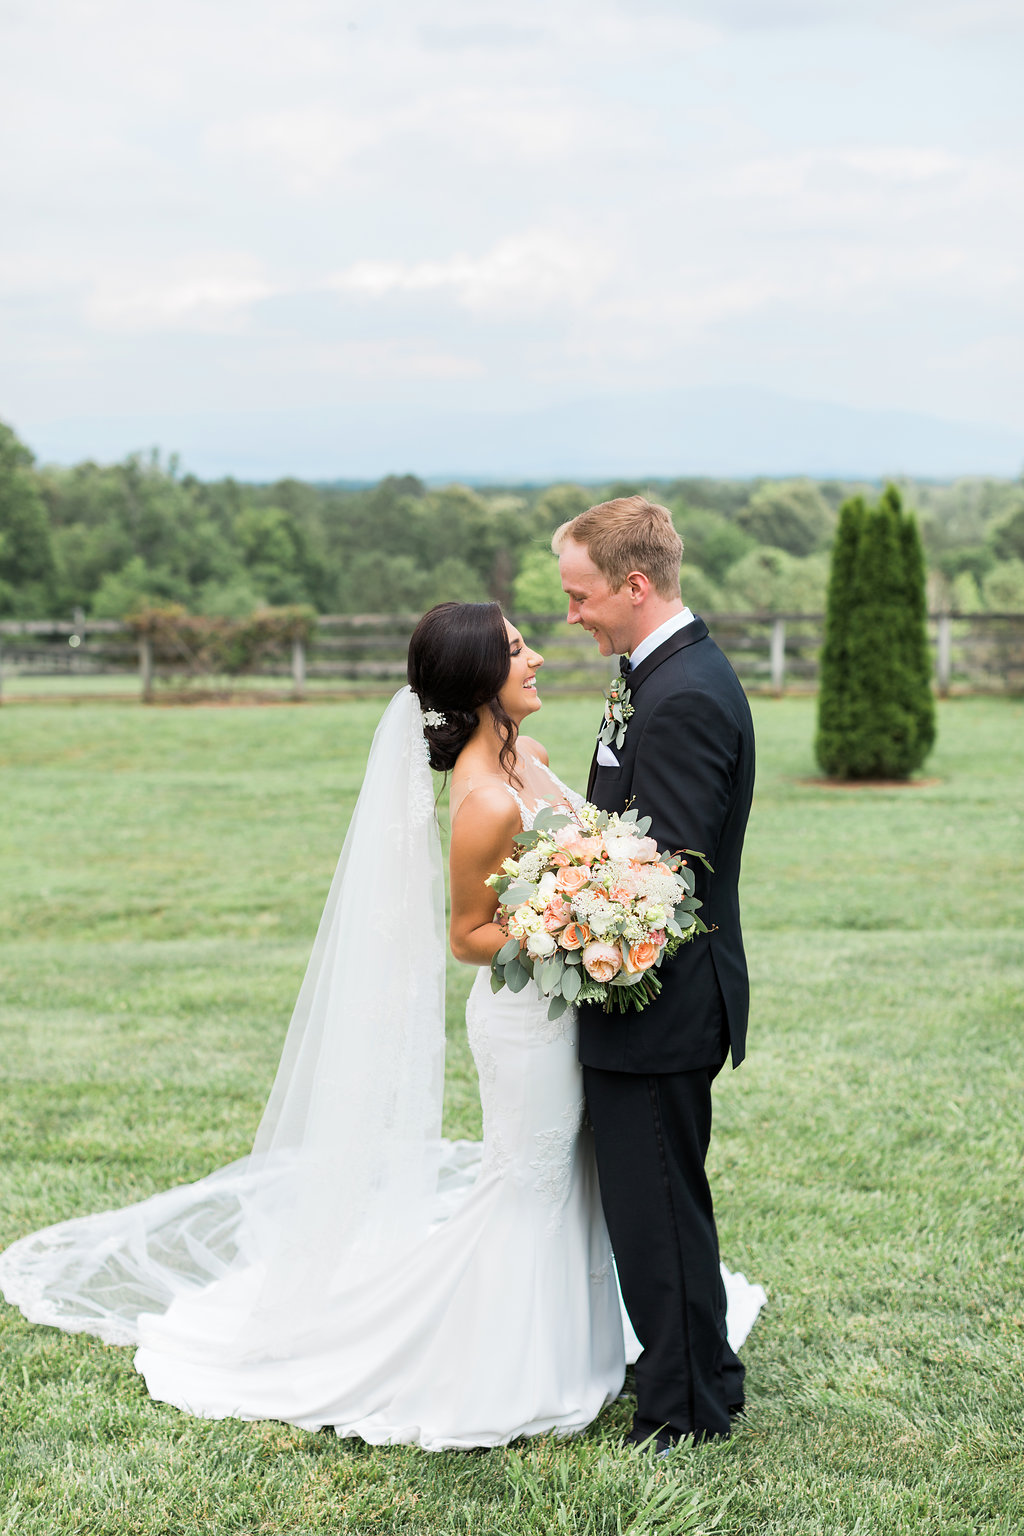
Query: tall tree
x=876, y=714
x=27, y=569
x=917, y=660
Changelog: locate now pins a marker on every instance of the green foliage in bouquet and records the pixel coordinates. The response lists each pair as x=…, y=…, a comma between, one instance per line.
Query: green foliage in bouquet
x=876, y=713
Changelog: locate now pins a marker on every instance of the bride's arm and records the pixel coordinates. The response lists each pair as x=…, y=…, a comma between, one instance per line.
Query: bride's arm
x=482, y=834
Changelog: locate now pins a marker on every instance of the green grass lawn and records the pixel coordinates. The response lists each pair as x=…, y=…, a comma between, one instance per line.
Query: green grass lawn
x=163, y=873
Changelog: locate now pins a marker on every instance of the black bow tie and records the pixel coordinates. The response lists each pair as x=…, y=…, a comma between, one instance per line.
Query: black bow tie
x=623, y=665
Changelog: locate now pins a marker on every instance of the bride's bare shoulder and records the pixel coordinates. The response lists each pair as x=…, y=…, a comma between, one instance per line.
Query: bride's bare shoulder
x=529, y=746
x=483, y=804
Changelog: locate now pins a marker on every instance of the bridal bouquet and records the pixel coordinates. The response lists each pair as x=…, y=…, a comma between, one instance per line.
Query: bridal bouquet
x=592, y=907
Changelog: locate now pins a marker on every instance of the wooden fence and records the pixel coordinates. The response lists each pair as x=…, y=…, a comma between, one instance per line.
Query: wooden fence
x=364, y=655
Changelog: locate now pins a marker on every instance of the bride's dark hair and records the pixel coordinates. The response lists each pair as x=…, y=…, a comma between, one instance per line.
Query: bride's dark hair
x=459, y=659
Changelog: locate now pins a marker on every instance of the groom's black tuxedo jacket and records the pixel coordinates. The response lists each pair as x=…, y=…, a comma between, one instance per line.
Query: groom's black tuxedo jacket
x=688, y=763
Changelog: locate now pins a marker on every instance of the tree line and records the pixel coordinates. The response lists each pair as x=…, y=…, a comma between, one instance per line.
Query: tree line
x=113, y=539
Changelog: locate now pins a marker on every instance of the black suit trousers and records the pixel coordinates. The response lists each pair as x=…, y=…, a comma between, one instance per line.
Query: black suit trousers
x=651, y=1134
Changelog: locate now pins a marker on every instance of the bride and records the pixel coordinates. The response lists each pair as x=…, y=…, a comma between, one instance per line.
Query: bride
x=355, y=1270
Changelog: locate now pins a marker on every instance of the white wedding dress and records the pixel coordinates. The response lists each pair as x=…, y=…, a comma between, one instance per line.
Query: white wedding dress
x=355, y=1270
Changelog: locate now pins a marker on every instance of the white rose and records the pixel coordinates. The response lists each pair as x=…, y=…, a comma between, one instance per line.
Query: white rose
x=540, y=945
x=621, y=845
x=548, y=886
x=602, y=919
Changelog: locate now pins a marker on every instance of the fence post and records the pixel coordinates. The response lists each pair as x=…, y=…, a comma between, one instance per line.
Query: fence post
x=778, y=657
x=298, y=667
x=146, y=666
x=944, y=654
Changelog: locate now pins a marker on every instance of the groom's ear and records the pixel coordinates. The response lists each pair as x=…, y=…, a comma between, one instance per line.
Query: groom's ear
x=638, y=586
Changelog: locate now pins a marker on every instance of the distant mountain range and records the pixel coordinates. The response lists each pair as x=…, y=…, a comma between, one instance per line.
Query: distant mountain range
x=734, y=432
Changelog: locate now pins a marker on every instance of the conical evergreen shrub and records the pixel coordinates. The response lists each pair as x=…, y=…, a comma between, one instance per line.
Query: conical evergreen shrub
x=876, y=713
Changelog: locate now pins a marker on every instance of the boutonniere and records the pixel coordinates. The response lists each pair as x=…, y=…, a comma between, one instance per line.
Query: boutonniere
x=617, y=712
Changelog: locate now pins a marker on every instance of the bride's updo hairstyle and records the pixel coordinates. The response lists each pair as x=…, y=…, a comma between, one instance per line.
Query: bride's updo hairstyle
x=458, y=661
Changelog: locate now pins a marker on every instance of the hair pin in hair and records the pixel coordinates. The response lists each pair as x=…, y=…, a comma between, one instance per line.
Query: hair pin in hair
x=434, y=717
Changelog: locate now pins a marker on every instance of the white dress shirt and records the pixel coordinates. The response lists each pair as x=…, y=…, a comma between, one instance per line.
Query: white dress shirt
x=658, y=637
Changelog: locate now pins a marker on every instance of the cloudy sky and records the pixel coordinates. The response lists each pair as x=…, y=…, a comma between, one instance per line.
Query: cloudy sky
x=341, y=237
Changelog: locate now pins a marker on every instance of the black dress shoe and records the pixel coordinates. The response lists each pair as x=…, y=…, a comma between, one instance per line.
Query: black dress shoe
x=652, y=1445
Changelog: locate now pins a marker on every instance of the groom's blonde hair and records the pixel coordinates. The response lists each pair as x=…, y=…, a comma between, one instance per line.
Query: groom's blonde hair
x=628, y=534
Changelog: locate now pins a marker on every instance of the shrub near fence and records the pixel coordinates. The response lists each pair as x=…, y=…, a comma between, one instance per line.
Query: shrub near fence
x=364, y=655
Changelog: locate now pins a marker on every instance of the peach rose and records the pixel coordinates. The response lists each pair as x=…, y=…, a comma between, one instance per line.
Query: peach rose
x=560, y=859
x=574, y=936
x=556, y=914
x=602, y=961
x=658, y=937
x=573, y=878
x=643, y=955
x=620, y=893
x=569, y=842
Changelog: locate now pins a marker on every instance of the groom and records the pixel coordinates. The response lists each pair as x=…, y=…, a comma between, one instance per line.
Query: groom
x=687, y=761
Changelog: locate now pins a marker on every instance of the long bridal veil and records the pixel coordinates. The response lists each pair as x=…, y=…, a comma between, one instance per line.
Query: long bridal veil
x=343, y=1171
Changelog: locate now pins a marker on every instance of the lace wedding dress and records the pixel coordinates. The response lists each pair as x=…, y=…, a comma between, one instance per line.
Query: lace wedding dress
x=355, y=1270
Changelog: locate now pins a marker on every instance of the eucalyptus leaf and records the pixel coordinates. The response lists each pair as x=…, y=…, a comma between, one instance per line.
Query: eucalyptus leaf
x=549, y=819
x=557, y=1007
x=572, y=981
x=518, y=892
x=643, y=826
x=497, y=981
x=573, y=957
x=548, y=975
x=516, y=975
x=620, y=736
x=508, y=951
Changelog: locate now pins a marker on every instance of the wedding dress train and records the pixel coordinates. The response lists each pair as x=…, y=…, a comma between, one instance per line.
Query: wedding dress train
x=503, y=1321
